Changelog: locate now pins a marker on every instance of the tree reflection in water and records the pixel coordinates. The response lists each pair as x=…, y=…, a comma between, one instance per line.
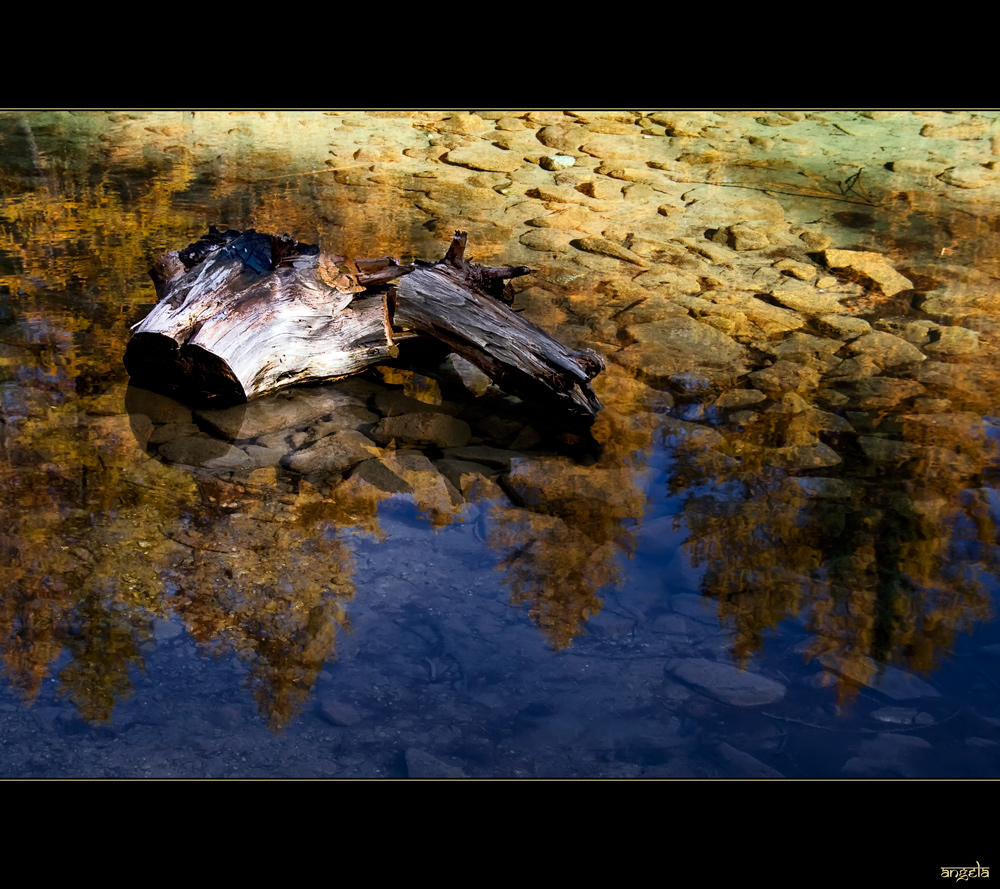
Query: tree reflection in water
x=881, y=553
x=854, y=500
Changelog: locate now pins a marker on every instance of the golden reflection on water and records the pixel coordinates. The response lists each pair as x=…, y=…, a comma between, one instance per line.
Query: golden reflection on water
x=855, y=500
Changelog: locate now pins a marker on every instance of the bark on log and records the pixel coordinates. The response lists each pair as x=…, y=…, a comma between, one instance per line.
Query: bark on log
x=243, y=314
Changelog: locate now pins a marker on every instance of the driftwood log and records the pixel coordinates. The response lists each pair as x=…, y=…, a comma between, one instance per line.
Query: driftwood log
x=241, y=314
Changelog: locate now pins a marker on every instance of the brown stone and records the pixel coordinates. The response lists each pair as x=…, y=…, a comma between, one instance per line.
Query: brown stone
x=871, y=266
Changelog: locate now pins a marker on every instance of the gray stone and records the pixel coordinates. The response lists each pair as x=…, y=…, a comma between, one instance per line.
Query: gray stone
x=726, y=683
x=610, y=626
x=425, y=428
x=274, y=413
x=159, y=408
x=902, y=686
x=392, y=403
x=894, y=753
x=226, y=717
x=169, y=431
x=204, y=451
x=454, y=470
x=350, y=416
x=265, y=456
x=496, y=457
x=335, y=453
x=338, y=713
x=420, y=764
x=164, y=630
x=896, y=715
x=142, y=427
x=699, y=608
x=675, y=625
x=276, y=440
x=891, y=681
x=744, y=765
x=470, y=376
x=376, y=473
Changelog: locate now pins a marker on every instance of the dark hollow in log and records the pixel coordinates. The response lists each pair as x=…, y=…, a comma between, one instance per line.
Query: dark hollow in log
x=240, y=314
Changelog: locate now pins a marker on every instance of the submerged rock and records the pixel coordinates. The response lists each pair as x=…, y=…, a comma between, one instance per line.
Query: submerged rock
x=891, y=681
x=808, y=301
x=274, y=413
x=203, y=451
x=844, y=327
x=954, y=341
x=885, y=349
x=785, y=376
x=423, y=428
x=744, y=765
x=742, y=238
x=338, y=713
x=376, y=473
x=872, y=266
x=664, y=349
x=159, y=408
x=604, y=247
x=335, y=453
x=890, y=753
x=736, y=398
x=420, y=764
x=485, y=157
x=881, y=393
x=726, y=683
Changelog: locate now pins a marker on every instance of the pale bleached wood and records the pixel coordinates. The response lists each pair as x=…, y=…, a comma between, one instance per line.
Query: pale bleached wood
x=243, y=314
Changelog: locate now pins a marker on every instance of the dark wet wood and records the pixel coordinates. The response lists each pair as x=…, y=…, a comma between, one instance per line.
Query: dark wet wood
x=241, y=314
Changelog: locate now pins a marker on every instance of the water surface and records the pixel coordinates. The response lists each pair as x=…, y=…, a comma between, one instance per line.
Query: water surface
x=773, y=555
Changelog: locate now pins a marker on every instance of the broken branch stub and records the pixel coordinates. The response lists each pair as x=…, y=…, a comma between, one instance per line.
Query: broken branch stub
x=241, y=314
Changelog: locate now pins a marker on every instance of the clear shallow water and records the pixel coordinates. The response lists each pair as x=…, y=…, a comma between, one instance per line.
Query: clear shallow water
x=553, y=607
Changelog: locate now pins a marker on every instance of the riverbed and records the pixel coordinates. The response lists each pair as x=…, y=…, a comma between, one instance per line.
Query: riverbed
x=773, y=555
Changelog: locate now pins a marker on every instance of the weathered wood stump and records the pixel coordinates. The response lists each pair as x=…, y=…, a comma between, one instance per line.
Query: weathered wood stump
x=241, y=314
